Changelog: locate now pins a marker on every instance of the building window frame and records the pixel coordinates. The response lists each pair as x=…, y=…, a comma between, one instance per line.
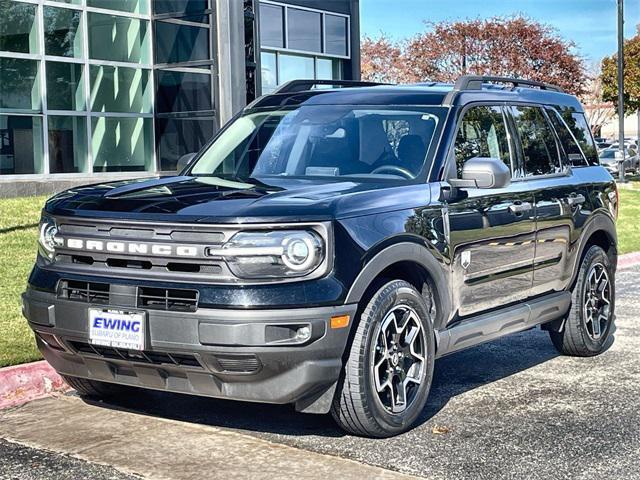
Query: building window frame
x=45, y=112
x=323, y=14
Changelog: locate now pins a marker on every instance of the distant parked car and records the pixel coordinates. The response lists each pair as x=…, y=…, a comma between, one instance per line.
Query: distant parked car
x=627, y=144
x=609, y=159
x=603, y=145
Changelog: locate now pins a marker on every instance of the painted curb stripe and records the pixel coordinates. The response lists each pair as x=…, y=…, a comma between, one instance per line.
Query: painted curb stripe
x=23, y=383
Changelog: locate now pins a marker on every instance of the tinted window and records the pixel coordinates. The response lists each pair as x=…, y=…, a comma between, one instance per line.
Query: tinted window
x=580, y=127
x=483, y=133
x=18, y=27
x=181, y=43
x=569, y=144
x=118, y=38
x=293, y=67
x=179, y=136
x=539, y=147
x=179, y=6
x=182, y=91
x=61, y=32
x=335, y=31
x=303, y=28
x=271, y=26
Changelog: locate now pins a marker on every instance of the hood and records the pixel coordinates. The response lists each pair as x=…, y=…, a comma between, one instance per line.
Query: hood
x=212, y=199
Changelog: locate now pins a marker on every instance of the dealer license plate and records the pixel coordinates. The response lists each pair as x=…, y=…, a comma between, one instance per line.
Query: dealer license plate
x=117, y=328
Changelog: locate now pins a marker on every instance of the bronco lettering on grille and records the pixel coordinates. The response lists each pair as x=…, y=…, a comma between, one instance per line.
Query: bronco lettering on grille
x=132, y=248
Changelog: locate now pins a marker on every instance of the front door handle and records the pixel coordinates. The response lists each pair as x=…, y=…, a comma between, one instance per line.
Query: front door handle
x=520, y=207
x=576, y=200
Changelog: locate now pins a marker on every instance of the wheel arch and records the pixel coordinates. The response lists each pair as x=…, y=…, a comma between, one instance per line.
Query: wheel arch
x=407, y=261
x=600, y=231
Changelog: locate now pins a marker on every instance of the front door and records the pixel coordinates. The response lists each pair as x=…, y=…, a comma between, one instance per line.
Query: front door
x=492, y=231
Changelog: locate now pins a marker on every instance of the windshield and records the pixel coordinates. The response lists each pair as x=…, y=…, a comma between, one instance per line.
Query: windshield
x=323, y=141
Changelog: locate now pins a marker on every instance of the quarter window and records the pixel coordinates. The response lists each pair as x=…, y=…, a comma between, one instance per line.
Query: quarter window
x=539, y=147
x=569, y=144
x=578, y=124
x=483, y=133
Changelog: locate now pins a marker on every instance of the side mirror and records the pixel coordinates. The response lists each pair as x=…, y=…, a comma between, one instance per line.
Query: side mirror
x=184, y=161
x=481, y=172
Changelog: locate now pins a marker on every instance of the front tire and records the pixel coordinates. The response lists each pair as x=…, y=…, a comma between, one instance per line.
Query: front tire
x=388, y=372
x=589, y=323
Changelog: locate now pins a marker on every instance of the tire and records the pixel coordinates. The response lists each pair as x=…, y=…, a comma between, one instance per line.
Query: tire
x=94, y=388
x=395, y=312
x=582, y=336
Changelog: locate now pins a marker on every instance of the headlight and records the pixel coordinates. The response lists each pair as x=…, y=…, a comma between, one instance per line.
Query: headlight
x=272, y=254
x=48, y=239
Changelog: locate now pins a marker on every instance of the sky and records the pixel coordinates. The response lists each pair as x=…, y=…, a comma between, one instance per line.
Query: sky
x=591, y=24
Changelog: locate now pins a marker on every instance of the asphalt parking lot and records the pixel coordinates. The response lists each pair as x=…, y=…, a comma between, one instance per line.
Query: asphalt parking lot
x=509, y=409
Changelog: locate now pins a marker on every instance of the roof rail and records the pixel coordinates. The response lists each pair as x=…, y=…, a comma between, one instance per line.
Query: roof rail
x=475, y=82
x=294, y=86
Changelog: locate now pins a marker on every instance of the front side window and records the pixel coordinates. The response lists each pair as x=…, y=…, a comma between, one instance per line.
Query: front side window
x=482, y=133
x=323, y=141
x=539, y=147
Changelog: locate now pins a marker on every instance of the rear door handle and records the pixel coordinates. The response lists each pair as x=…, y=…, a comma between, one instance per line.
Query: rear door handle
x=576, y=200
x=520, y=207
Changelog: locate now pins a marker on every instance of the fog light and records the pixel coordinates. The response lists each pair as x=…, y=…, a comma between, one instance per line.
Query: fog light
x=303, y=334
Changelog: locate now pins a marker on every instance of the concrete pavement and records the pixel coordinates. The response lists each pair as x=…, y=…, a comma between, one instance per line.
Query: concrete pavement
x=509, y=409
x=159, y=448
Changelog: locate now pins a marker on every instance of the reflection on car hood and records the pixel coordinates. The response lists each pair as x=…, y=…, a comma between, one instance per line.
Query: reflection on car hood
x=212, y=199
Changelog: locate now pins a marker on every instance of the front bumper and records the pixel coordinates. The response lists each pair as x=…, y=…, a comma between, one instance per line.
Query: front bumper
x=237, y=354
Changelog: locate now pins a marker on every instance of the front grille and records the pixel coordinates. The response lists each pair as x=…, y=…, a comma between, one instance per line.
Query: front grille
x=168, y=299
x=141, y=262
x=241, y=363
x=87, y=292
x=153, y=358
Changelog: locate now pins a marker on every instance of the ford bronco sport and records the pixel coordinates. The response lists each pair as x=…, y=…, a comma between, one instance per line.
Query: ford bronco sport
x=329, y=244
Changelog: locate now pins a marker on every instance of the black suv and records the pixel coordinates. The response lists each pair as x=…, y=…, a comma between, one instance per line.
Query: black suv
x=330, y=243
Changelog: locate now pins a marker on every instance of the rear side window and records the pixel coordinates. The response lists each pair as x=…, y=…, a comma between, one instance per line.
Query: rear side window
x=482, y=133
x=568, y=142
x=578, y=124
x=539, y=148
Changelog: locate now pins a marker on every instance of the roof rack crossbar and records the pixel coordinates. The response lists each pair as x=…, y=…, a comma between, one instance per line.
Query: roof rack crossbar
x=476, y=82
x=294, y=86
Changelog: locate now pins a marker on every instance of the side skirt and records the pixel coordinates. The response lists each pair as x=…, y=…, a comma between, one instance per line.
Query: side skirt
x=489, y=326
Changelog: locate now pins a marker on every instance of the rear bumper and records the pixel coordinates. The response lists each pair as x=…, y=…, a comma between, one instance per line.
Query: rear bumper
x=246, y=355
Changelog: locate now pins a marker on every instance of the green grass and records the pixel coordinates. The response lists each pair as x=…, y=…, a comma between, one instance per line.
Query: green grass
x=629, y=219
x=18, y=242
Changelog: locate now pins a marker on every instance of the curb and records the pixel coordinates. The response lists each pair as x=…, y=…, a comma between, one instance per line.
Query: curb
x=628, y=260
x=22, y=383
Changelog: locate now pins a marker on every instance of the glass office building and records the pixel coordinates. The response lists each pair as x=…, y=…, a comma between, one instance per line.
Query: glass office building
x=98, y=89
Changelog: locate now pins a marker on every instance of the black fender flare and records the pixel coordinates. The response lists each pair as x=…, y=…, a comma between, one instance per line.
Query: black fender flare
x=598, y=222
x=405, y=252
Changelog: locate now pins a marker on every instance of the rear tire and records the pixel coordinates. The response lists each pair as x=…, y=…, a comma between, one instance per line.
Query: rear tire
x=388, y=372
x=94, y=388
x=589, y=323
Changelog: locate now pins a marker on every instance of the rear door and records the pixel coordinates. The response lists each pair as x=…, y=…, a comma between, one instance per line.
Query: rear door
x=547, y=149
x=491, y=231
